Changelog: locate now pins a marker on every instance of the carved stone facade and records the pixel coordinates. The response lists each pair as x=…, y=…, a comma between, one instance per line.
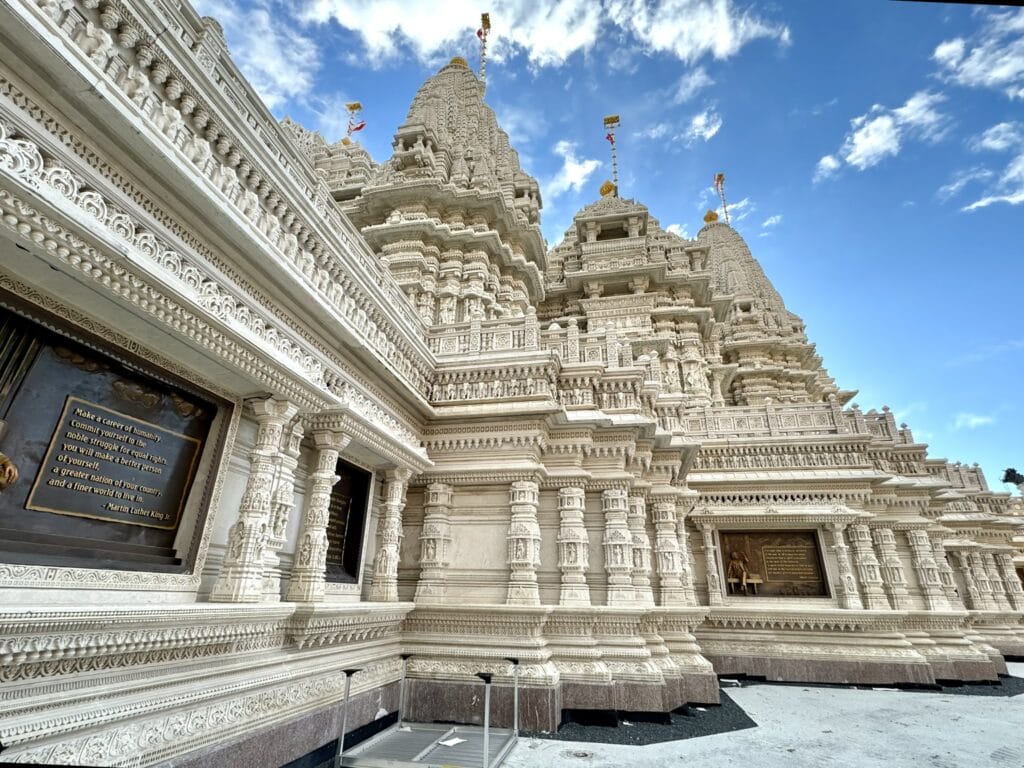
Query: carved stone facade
x=558, y=440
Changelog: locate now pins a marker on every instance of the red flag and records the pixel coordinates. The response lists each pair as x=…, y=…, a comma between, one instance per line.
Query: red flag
x=481, y=34
x=610, y=138
x=353, y=127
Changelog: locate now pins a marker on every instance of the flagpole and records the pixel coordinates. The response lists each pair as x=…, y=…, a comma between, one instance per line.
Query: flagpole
x=720, y=189
x=611, y=122
x=485, y=27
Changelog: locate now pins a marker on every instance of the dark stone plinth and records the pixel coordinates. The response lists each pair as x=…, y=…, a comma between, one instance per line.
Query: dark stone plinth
x=282, y=743
x=588, y=696
x=965, y=671
x=696, y=688
x=824, y=671
x=429, y=701
x=642, y=697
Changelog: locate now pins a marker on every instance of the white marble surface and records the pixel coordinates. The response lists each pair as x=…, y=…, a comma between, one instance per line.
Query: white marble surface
x=840, y=728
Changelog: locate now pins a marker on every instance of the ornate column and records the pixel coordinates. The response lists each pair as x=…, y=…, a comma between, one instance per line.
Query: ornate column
x=523, y=544
x=241, y=575
x=435, y=544
x=683, y=507
x=946, y=574
x=617, y=548
x=927, y=570
x=636, y=520
x=847, y=586
x=995, y=580
x=573, y=547
x=389, y=532
x=281, y=508
x=892, y=568
x=666, y=551
x=868, y=571
x=986, y=599
x=1014, y=590
x=715, y=596
x=974, y=600
x=307, y=584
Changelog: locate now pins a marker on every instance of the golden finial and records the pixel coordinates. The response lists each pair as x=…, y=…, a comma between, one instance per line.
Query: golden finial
x=346, y=141
x=354, y=106
x=458, y=61
x=606, y=189
x=611, y=121
x=710, y=216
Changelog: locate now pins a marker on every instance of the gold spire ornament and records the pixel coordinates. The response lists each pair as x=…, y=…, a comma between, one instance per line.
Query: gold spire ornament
x=611, y=122
x=710, y=216
x=607, y=188
x=485, y=28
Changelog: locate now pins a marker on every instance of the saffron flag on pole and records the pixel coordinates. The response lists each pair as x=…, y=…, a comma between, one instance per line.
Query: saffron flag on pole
x=353, y=127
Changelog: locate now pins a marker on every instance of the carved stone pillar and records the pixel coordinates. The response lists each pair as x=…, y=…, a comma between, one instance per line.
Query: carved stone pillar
x=573, y=547
x=995, y=580
x=618, y=546
x=847, y=584
x=389, y=531
x=636, y=519
x=946, y=574
x=927, y=571
x=241, y=576
x=715, y=596
x=683, y=508
x=868, y=571
x=281, y=508
x=986, y=599
x=1014, y=590
x=893, y=578
x=974, y=600
x=307, y=584
x=666, y=551
x=435, y=544
x=523, y=544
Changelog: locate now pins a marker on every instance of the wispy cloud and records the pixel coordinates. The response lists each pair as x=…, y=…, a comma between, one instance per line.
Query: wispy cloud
x=966, y=420
x=689, y=84
x=656, y=131
x=991, y=58
x=960, y=180
x=702, y=126
x=574, y=171
x=678, y=229
x=772, y=221
x=880, y=133
x=1008, y=187
x=1001, y=349
x=738, y=210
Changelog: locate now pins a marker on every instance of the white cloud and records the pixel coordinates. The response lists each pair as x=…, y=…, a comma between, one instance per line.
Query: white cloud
x=772, y=221
x=961, y=179
x=278, y=60
x=992, y=58
x=702, y=127
x=678, y=229
x=547, y=31
x=690, y=83
x=971, y=421
x=574, y=172
x=826, y=167
x=692, y=29
x=999, y=137
x=738, y=210
x=656, y=131
x=1009, y=186
x=880, y=133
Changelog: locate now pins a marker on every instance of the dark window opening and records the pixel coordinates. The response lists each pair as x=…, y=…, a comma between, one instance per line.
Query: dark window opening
x=346, y=522
x=611, y=233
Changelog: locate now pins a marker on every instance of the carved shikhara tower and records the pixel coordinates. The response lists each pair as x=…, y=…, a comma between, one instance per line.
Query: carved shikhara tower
x=619, y=460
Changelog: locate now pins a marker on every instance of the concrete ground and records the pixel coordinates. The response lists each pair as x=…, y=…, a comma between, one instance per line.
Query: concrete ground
x=834, y=727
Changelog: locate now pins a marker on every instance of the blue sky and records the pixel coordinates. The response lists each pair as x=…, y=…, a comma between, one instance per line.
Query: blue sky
x=874, y=154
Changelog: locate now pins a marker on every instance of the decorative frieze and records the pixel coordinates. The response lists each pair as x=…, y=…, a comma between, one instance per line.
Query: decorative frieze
x=523, y=543
x=573, y=547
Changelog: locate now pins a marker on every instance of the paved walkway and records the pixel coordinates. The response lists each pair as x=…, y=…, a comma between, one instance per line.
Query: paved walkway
x=834, y=727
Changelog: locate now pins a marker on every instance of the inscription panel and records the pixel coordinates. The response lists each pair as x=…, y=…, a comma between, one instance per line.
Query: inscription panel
x=773, y=564
x=107, y=465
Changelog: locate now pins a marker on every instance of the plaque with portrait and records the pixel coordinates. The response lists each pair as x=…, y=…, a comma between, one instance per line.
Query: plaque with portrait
x=773, y=564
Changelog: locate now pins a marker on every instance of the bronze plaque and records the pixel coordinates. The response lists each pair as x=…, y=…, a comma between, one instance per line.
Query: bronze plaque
x=106, y=465
x=773, y=564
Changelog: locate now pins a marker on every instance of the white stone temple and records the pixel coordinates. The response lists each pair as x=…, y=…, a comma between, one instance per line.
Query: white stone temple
x=271, y=409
